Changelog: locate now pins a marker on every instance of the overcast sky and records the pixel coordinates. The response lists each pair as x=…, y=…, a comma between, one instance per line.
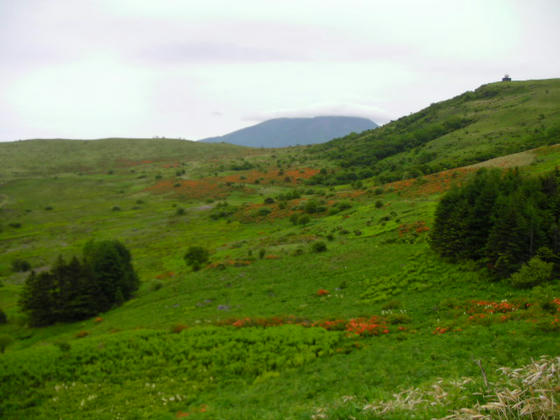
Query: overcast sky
x=193, y=69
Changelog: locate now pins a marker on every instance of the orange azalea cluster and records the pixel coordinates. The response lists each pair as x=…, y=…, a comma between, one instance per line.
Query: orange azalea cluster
x=484, y=312
x=263, y=322
x=182, y=414
x=492, y=307
x=362, y=326
x=440, y=330
x=418, y=227
x=355, y=326
x=431, y=184
x=289, y=176
x=322, y=292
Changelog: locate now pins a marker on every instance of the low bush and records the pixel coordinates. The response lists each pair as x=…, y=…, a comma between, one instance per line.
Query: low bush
x=319, y=246
x=81, y=334
x=398, y=318
x=20, y=266
x=535, y=272
x=5, y=341
x=263, y=212
x=196, y=256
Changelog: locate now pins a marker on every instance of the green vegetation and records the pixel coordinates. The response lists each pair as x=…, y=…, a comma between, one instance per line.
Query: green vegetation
x=20, y=265
x=335, y=297
x=502, y=220
x=78, y=290
x=196, y=256
x=534, y=273
x=164, y=371
x=494, y=120
x=5, y=341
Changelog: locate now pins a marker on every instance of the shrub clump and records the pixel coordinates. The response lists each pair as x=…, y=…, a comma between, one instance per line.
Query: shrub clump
x=196, y=256
x=5, y=341
x=319, y=246
x=535, y=272
x=20, y=266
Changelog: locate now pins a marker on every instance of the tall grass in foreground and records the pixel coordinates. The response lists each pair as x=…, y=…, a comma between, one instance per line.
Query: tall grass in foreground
x=529, y=392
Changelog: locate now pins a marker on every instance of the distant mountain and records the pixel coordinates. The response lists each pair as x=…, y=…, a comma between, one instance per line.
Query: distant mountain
x=283, y=132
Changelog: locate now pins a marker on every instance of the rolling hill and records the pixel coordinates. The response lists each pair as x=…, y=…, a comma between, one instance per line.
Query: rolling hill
x=284, y=132
x=55, y=156
x=494, y=120
x=328, y=295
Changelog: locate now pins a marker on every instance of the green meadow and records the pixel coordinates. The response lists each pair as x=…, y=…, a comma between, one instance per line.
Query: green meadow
x=319, y=301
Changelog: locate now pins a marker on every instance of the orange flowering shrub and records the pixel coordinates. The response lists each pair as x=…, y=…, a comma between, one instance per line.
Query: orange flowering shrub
x=356, y=326
x=363, y=326
x=440, y=330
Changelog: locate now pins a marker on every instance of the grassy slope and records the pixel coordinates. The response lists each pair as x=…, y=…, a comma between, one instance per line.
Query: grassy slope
x=376, y=256
x=504, y=118
x=47, y=157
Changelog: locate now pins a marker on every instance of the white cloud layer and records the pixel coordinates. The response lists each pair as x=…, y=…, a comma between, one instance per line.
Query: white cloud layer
x=193, y=69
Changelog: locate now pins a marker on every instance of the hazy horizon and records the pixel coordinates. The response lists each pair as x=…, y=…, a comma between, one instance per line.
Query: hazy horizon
x=138, y=68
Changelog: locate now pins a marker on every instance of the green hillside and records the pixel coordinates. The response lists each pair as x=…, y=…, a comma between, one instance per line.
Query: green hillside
x=47, y=157
x=317, y=302
x=496, y=119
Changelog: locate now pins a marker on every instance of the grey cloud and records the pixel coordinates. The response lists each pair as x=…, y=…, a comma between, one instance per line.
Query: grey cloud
x=178, y=52
x=375, y=114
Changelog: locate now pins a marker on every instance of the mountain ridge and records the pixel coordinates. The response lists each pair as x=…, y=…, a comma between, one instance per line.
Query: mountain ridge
x=284, y=132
